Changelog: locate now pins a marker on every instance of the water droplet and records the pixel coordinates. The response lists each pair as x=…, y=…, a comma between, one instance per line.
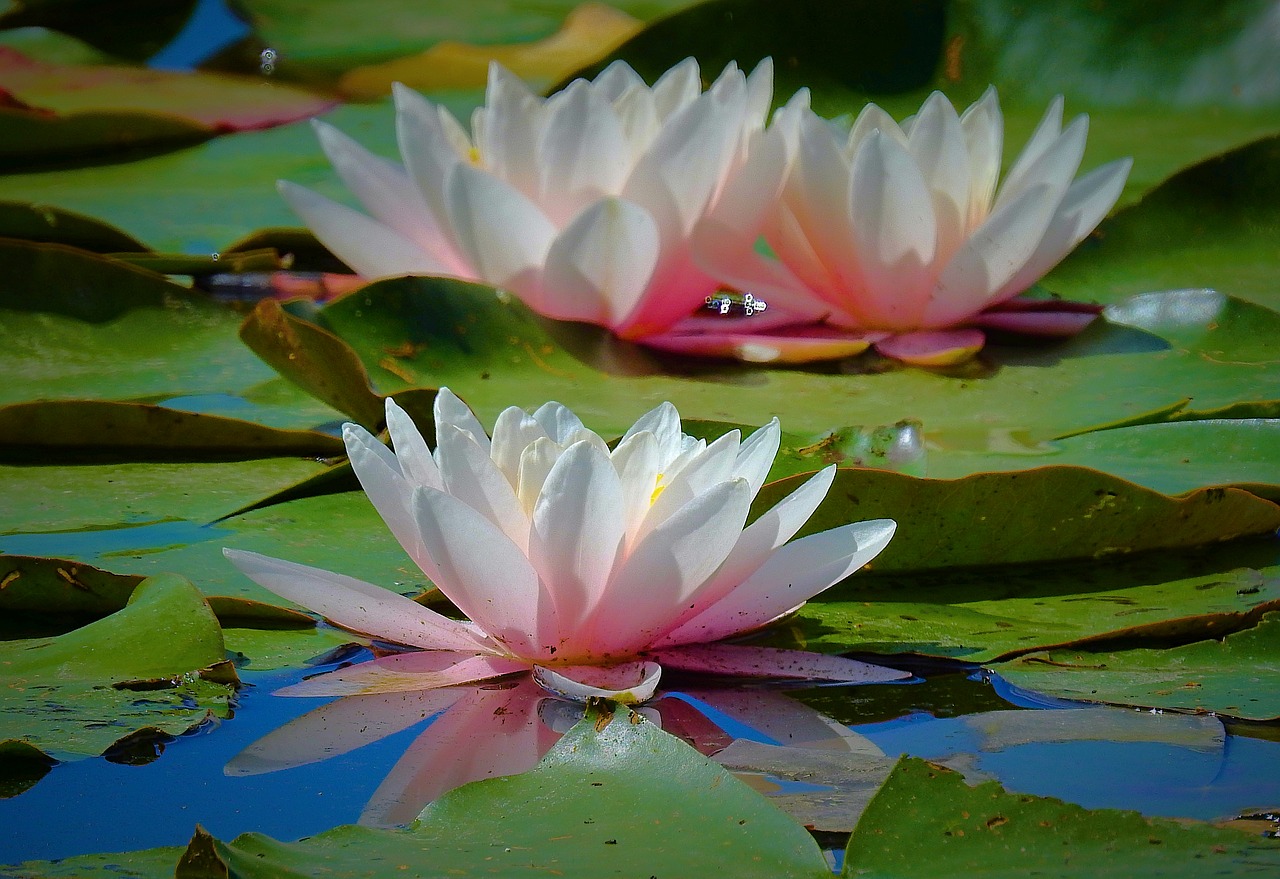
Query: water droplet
x=267, y=61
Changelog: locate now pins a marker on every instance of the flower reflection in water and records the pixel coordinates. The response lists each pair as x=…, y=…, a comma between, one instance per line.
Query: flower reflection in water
x=505, y=728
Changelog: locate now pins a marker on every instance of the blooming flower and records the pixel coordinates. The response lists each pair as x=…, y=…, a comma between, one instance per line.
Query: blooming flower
x=581, y=204
x=901, y=236
x=590, y=566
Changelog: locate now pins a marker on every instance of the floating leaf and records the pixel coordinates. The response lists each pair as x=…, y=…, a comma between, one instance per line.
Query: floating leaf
x=1034, y=516
x=76, y=694
x=62, y=587
x=135, y=30
x=982, y=615
x=589, y=31
x=1234, y=676
x=50, y=225
x=986, y=831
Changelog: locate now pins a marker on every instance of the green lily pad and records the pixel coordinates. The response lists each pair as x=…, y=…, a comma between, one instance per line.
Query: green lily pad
x=988, y=614
x=1034, y=516
x=1172, y=457
x=1215, y=224
x=50, y=225
x=139, y=431
x=926, y=822
x=139, y=668
x=1237, y=675
x=137, y=30
x=616, y=795
x=62, y=587
x=424, y=332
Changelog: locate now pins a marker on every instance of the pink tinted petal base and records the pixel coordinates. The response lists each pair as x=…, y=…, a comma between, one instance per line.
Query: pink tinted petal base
x=1039, y=317
x=933, y=347
x=739, y=660
x=801, y=344
x=423, y=670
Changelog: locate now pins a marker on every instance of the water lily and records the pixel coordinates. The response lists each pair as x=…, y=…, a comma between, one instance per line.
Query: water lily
x=593, y=567
x=900, y=234
x=581, y=204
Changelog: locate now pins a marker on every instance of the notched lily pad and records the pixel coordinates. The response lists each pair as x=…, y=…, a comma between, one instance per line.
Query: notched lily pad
x=154, y=664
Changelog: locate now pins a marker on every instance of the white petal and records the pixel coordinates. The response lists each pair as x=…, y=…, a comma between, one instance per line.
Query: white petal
x=636, y=460
x=412, y=453
x=558, y=421
x=356, y=605
x=370, y=248
x=599, y=267
x=983, y=126
x=578, y=526
x=991, y=256
x=387, y=489
x=871, y=118
x=511, y=130
x=663, y=421
x=628, y=683
x=502, y=233
x=448, y=408
x=583, y=153
x=677, y=88
x=486, y=575
x=661, y=578
x=1055, y=166
x=471, y=476
x=616, y=80
x=639, y=119
x=514, y=430
x=759, y=93
x=431, y=142
x=756, y=454
x=894, y=232
x=407, y=672
x=536, y=462
x=937, y=143
x=1082, y=209
x=387, y=192
x=816, y=192
x=1047, y=132
x=791, y=576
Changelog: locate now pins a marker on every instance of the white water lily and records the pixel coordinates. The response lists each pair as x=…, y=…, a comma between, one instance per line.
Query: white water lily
x=581, y=204
x=900, y=233
x=593, y=566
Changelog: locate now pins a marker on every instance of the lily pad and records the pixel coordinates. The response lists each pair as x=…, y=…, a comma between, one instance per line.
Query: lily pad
x=987, y=831
x=1237, y=675
x=1034, y=516
x=62, y=587
x=50, y=225
x=1171, y=458
x=983, y=615
x=135, y=30
x=139, y=668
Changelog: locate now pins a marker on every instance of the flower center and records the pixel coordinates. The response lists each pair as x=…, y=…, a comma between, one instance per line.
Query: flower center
x=658, y=488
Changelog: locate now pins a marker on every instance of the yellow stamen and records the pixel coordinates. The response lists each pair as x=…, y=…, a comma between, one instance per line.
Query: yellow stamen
x=658, y=488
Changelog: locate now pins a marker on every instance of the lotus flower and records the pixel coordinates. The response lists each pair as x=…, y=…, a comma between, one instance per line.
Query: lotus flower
x=900, y=234
x=590, y=566
x=581, y=204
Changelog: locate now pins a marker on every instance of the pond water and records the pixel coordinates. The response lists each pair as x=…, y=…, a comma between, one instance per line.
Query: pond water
x=1160, y=764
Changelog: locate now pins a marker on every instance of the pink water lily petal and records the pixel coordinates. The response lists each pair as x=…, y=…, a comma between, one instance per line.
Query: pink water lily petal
x=598, y=268
x=806, y=344
x=790, y=723
x=663, y=421
x=933, y=347
x=739, y=660
x=937, y=143
x=663, y=574
x=403, y=672
x=677, y=88
x=514, y=430
x=356, y=605
x=388, y=490
x=578, y=526
x=488, y=733
x=1053, y=323
x=1047, y=132
x=637, y=464
x=339, y=727
x=791, y=576
x=487, y=576
x=370, y=248
x=756, y=454
x=505, y=142
x=628, y=682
